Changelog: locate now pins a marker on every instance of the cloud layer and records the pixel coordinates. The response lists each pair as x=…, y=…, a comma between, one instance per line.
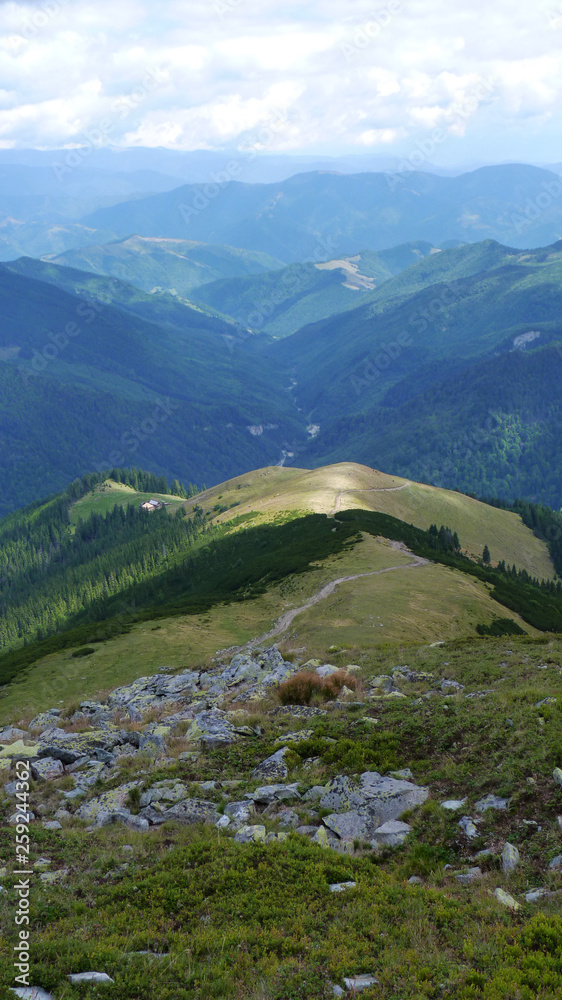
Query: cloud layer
x=484, y=81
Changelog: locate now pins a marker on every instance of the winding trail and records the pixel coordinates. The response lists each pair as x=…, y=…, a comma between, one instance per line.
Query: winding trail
x=286, y=619
x=381, y=489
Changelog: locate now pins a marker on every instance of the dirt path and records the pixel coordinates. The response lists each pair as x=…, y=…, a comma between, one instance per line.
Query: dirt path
x=286, y=619
x=383, y=489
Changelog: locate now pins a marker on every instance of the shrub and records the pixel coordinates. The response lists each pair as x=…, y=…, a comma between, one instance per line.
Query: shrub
x=84, y=651
x=302, y=687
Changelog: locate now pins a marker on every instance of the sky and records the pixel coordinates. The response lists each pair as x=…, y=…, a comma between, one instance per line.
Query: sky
x=417, y=79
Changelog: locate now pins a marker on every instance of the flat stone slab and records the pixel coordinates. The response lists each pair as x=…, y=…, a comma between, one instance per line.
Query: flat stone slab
x=362, y=982
x=107, y=802
x=274, y=766
x=192, y=811
x=454, y=804
x=391, y=834
x=341, y=886
x=31, y=993
x=506, y=900
x=274, y=793
x=47, y=769
x=90, y=977
x=491, y=802
x=465, y=878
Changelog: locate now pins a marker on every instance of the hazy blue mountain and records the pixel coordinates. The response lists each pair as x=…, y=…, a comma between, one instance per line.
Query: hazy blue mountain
x=282, y=301
x=178, y=265
x=320, y=215
x=84, y=383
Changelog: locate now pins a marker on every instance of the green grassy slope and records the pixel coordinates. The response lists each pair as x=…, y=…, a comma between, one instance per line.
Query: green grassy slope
x=152, y=263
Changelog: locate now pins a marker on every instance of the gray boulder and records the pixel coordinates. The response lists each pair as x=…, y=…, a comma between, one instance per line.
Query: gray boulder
x=491, y=802
x=510, y=858
x=192, y=811
x=274, y=766
x=47, y=769
x=391, y=834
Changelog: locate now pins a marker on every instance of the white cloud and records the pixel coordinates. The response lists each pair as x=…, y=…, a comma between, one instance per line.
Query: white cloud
x=346, y=73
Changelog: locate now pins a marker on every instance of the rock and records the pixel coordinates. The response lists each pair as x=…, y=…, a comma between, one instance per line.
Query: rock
x=559, y=821
x=274, y=793
x=326, y=670
x=307, y=830
x=247, y=834
x=211, y=728
x=415, y=880
x=388, y=798
x=63, y=814
x=341, y=886
x=164, y=791
x=453, y=804
x=240, y=812
x=337, y=990
x=341, y=793
x=52, y=878
x=274, y=766
x=47, y=769
x=21, y=817
x=288, y=818
x=31, y=993
x=155, y=692
x=90, y=977
x=352, y=825
x=405, y=774
x=298, y=737
x=299, y=711
x=361, y=982
x=491, y=802
x=314, y=793
x=465, y=878
x=533, y=895
x=468, y=827
x=545, y=701
x=486, y=853
x=321, y=837
x=19, y=751
x=192, y=811
x=51, y=824
x=108, y=802
x=556, y=863
x=451, y=686
x=391, y=834
x=223, y=822
x=557, y=775
x=506, y=900
x=69, y=747
x=510, y=858
x=139, y=823
x=152, y=739
x=11, y=733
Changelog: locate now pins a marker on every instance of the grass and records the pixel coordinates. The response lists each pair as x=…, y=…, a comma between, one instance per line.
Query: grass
x=273, y=490
x=414, y=605
x=104, y=497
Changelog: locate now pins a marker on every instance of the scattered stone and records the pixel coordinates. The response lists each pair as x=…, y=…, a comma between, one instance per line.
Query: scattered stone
x=192, y=811
x=486, y=853
x=337, y=990
x=545, y=701
x=405, y=774
x=108, y=802
x=223, y=822
x=557, y=775
x=361, y=982
x=533, y=895
x=468, y=827
x=274, y=766
x=451, y=686
x=506, y=900
x=341, y=886
x=465, y=878
x=454, y=804
x=51, y=824
x=274, y=793
x=247, y=834
x=164, y=791
x=299, y=711
x=21, y=817
x=211, y=728
x=298, y=737
x=47, y=769
x=51, y=878
x=556, y=863
x=139, y=823
x=321, y=837
x=491, y=802
x=19, y=751
x=90, y=977
x=31, y=993
x=391, y=834
x=415, y=880
x=510, y=858
x=239, y=812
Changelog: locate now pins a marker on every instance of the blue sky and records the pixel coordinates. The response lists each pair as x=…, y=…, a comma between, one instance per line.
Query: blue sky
x=392, y=78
